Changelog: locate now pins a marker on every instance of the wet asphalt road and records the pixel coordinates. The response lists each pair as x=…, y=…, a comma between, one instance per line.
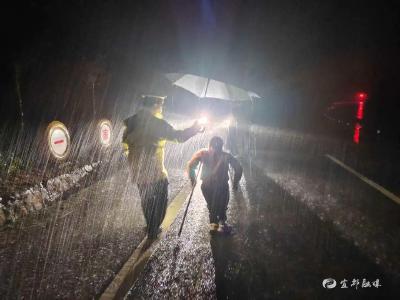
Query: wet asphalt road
x=74, y=248
x=297, y=219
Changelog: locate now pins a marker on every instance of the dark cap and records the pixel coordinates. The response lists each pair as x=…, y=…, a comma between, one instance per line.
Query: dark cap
x=151, y=100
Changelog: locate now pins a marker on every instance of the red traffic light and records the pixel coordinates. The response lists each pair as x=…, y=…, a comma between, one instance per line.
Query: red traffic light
x=360, y=100
x=361, y=97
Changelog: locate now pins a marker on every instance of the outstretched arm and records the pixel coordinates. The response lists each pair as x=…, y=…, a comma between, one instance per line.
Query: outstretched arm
x=192, y=165
x=180, y=136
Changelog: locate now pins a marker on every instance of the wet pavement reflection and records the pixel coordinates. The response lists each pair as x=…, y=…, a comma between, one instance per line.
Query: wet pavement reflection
x=279, y=249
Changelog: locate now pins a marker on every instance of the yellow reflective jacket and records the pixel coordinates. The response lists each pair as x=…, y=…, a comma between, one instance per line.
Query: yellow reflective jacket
x=146, y=136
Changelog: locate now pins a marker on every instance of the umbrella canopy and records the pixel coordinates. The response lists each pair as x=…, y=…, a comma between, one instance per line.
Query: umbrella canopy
x=204, y=87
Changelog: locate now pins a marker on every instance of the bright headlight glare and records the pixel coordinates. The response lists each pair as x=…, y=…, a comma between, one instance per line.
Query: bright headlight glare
x=203, y=120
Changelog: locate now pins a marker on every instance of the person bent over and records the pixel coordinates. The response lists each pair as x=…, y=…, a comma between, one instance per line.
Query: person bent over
x=215, y=178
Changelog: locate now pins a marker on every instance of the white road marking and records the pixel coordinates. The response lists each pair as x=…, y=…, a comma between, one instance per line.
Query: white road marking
x=376, y=186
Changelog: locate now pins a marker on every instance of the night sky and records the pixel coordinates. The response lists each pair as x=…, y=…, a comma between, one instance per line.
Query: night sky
x=304, y=54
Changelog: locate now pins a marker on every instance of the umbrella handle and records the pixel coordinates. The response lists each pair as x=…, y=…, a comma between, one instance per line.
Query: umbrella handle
x=205, y=91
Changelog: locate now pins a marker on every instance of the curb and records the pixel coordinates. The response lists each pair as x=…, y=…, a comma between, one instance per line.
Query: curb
x=39, y=196
x=131, y=270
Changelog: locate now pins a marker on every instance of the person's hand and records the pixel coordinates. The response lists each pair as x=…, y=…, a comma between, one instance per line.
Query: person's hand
x=193, y=181
x=198, y=128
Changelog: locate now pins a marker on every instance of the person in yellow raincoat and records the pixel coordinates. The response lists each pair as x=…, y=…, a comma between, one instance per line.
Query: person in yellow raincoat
x=146, y=134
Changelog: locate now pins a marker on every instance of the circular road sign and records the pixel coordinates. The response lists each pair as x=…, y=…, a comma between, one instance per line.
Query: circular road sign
x=105, y=132
x=58, y=139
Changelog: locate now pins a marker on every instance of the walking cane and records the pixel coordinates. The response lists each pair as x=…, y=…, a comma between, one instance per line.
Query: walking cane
x=190, y=198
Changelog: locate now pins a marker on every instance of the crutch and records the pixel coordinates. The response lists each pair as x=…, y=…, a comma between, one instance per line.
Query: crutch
x=190, y=198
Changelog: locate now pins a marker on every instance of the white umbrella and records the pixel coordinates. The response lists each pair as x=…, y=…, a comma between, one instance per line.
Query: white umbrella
x=204, y=87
